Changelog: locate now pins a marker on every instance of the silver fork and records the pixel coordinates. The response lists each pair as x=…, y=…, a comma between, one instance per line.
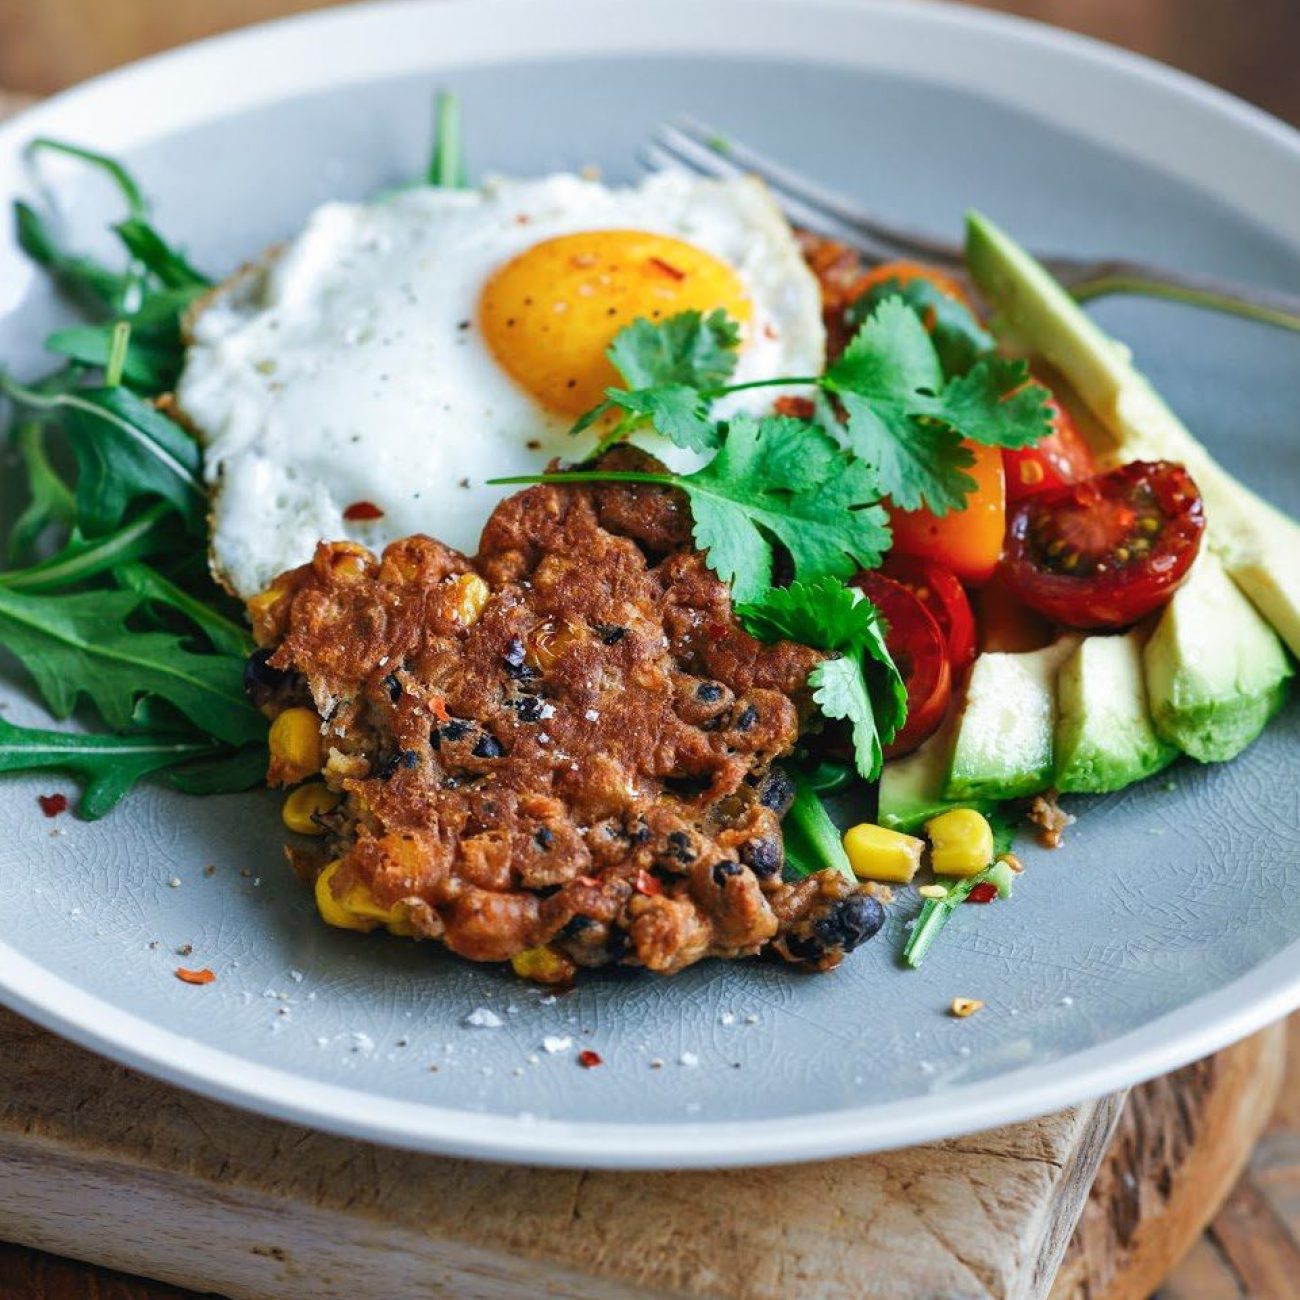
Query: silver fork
x=698, y=147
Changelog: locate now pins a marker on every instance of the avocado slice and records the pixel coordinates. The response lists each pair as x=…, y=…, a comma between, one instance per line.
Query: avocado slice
x=1215, y=671
x=911, y=787
x=1005, y=734
x=1035, y=316
x=1105, y=738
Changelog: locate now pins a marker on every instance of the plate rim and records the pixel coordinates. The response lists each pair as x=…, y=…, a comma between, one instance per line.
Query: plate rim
x=1268, y=991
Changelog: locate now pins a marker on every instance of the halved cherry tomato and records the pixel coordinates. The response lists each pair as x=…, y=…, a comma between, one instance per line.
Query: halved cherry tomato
x=1103, y=552
x=905, y=273
x=939, y=591
x=968, y=541
x=1006, y=623
x=1060, y=458
x=918, y=648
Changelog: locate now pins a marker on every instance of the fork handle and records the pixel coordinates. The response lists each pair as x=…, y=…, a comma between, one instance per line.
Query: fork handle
x=1086, y=280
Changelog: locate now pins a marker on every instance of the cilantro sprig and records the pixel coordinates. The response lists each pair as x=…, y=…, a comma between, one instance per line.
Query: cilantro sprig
x=861, y=684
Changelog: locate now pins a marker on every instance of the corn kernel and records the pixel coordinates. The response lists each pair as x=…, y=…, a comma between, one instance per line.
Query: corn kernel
x=547, y=643
x=933, y=891
x=261, y=605
x=543, y=965
x=306, y=803
x=332, y=911
x=876, y=853
x=295, y=746
x=963, y=1007
x=471, y=595
x=961, y=842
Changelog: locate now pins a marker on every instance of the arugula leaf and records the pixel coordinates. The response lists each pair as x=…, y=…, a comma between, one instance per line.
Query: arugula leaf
x=125, y=449
x=688, y=348
x=225, y=636
x=152, y=251
x=107, y=765
x=778, y=477
x=80, y=644
x=959, y=339
x=51, y=499
x=90, y=281
x=904, y=420
x=136, y=203
x=863, y=686
x=231, y=773
x=80, y=559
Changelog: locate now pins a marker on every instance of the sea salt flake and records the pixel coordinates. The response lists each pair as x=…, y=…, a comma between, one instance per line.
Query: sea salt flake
x=482, y=1018
x=553, y=1043
x=689, y=1060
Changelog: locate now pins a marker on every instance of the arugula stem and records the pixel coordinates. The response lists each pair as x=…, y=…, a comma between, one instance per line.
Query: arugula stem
x=117, y=354
x=936, y=913
x=445, y=166
x=78, y=561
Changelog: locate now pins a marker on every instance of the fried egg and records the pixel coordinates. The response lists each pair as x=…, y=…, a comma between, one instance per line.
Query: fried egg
x=365, y=380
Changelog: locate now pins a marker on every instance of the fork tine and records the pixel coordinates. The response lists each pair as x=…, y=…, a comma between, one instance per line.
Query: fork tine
x=689, y=133
x=658, y=156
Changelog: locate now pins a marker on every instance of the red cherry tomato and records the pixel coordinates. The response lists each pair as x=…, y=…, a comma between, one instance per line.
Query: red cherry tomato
x=918, y=648
x=967, y=541
x=1104, y=552
x=937, y=588
x=1060, y=458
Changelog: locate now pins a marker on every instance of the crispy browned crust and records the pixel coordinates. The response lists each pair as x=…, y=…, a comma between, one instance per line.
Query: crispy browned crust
x=585, y=765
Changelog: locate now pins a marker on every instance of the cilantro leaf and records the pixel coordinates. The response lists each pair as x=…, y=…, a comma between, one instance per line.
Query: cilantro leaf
x=996, y=404
x=959, y=339
x=688, y=348
x=906, y=423
x=678, y=411
x=107, y=765
x=863, y=686
x=918, y=464
x=80, y=644
x=780, y=478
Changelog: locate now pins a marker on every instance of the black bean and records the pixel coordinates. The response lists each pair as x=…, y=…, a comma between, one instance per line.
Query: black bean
x=609, y=633
x=456, y=729
x=851, y=921
x=513, y=659
x=544, y=837
x=723, y=871
x=410, y=758
x=488, y=746
x=804, y=948
x=576, y=924
x=708, y=692
x=748, y=716
x=639, y=833
x=680, y=844
x=394, y=687
x=387, y=767
x=529, y=709
x=777, y=792
x=260, y=679
x=763, y=856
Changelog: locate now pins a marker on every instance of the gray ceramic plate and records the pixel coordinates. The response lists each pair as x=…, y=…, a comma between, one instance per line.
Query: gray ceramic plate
x=1168, y=926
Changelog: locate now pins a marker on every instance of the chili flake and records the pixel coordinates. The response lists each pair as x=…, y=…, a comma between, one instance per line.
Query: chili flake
x=204, y=976
x=797, y=408
x=589, y=1059
x=984, y=892
x=648, y=884
x=362, y=510
x=52, y=804
x=673, y=272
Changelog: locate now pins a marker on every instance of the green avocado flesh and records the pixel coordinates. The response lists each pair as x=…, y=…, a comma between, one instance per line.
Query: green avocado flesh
x=911, y=787
x=1215, y=671
x=1105, y=738
x=1005, y=734
x=1035, y=316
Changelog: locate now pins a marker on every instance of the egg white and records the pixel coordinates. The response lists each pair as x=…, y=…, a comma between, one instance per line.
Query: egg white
x=347, y=367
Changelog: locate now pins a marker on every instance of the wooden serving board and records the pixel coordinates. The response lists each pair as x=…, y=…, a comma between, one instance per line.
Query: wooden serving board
x=106, y=1165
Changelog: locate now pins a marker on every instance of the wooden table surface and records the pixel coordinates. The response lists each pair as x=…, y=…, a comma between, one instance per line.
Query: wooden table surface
x=1250, y=1249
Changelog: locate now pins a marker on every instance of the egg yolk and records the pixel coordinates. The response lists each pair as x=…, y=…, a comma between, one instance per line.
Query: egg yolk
x=550, y=313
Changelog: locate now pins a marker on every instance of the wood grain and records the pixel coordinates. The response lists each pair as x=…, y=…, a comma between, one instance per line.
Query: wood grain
x=137, y=1176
